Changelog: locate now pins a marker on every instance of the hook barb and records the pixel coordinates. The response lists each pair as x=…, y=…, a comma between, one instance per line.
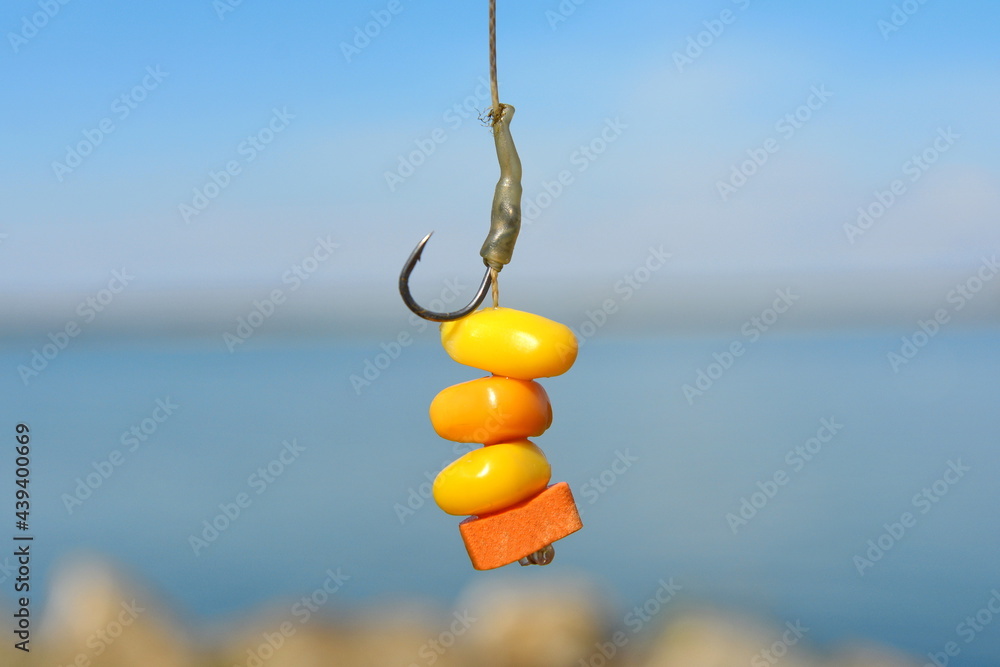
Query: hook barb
x=404, y=290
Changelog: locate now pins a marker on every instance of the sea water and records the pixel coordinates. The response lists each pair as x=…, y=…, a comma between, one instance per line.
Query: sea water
x=808, y=478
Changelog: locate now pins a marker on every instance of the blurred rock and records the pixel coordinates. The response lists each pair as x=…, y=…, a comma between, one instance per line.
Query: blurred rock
x=711, y=639
x=706, y=639
x=403, y=640
x=94, y=617
x=403, y=636
x=526, y=623
x=870, y=656
x=266, y=644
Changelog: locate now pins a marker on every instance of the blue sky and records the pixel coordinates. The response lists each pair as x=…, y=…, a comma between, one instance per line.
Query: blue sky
x=680, y=132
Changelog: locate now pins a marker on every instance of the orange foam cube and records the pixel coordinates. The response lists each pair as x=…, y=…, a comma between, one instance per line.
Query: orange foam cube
x=498, y=539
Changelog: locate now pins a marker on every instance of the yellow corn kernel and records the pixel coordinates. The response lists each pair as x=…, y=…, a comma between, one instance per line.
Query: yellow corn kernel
x=492, y=478
x=510, y=343
x=490, y=410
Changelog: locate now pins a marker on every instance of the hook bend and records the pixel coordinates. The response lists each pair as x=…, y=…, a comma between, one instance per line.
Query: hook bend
x=404, y=290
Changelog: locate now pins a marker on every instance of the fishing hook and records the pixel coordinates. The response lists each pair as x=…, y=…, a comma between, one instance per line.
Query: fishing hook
x=505, y=224
x=404, y=290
